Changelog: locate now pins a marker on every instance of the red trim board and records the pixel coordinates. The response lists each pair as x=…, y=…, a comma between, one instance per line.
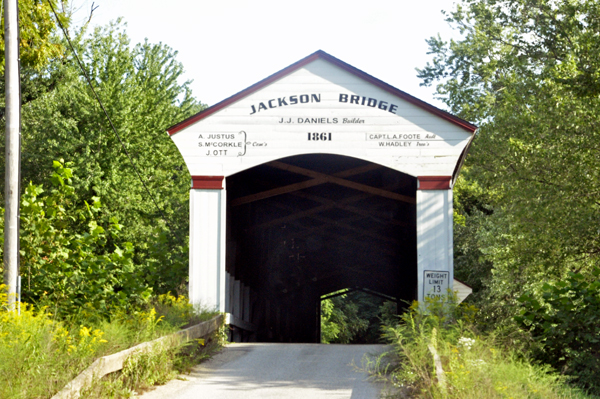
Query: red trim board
x=207, y=182
x=434, y=182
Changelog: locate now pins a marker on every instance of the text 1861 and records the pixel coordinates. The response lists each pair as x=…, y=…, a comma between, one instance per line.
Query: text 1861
x=319, y=136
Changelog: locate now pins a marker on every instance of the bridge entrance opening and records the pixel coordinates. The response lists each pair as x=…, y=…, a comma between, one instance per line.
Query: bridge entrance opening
x=355, y=316
x=305, y=226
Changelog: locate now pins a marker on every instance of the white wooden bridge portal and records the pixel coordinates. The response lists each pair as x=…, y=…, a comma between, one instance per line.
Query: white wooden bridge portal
x=318, y=178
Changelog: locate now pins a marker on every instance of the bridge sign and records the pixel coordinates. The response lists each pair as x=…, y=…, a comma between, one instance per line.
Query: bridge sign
x=436, y=283
x=322, y=105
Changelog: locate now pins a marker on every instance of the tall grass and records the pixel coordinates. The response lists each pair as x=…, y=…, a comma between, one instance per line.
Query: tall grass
x=40, y=354
x=438, y=353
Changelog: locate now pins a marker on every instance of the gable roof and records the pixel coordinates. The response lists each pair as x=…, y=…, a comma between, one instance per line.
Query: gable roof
x=337, y=62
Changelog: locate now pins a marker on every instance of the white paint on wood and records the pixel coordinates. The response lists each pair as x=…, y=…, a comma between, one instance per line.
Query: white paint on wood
x=207, y=249
x=319, y=108
x=260, y=127
x=434, y=235
x=462, y=290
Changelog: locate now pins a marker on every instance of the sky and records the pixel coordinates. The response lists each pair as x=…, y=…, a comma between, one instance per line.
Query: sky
x=226, y=46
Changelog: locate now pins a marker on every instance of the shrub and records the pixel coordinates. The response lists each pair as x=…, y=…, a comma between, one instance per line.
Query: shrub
x=566, y=323
x=67, y=260
x=340, y=320
x=39, y=355
x=437, y=353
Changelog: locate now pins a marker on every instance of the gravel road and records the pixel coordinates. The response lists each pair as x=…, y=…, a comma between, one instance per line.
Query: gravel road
x=252, y=371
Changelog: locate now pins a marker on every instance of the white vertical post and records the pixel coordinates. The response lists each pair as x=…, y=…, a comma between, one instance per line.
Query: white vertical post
x=13, y=149
x=207, y=277
x=434, y=242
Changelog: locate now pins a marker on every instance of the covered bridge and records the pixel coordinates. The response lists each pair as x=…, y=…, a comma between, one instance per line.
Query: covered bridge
x=315, y=179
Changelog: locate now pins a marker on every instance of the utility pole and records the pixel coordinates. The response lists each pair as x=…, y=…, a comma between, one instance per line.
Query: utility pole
x=13, y=149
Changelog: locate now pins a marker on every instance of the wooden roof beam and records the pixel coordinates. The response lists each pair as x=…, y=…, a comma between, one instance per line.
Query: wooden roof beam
x=352, y=209
x=350, y=240
x=344, y=224
x=318, y=209
x=342, y=182
x=300, y=186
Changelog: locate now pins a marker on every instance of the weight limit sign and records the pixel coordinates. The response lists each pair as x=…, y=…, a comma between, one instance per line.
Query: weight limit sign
x=435, y=283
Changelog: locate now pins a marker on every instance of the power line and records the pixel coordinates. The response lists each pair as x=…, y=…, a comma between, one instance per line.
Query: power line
x=87, y=78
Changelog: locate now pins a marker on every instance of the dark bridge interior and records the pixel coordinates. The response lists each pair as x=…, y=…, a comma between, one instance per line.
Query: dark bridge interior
x=305, y=226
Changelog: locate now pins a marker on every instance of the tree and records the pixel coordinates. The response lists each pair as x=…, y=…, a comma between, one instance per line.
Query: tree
x=37, y=32
x=565, y=324
x=141, y=91
x=66, y=262
x=527, y=72
x=340, y=320
x=355, y=317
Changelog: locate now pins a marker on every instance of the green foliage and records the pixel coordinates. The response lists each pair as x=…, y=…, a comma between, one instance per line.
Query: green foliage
x=149, y=368
x=354, y=317
x=340, y=321
x=179, y=312
x=506, y=44
x=155, y=366
x=37, y=32
x=161, y=362
x=437, y=353
x=471, y=212
x=526, y=72
x=65, y=260
x=142, y=92
x=332, y=321
x=566, y=322
x=39, y=354
x=77, y=260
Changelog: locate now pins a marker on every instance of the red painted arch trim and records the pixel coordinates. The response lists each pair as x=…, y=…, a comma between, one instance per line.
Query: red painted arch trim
x=244, y=93
x=434, y=182
x=347, y=67
x=207, y=182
